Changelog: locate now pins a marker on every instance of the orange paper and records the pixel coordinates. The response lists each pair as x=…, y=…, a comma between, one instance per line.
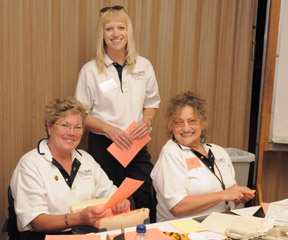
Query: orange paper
x=125, y=156
x=245, y=195
x=193, y=163
x=126, y=189
x=73, y=237
x=265, y=207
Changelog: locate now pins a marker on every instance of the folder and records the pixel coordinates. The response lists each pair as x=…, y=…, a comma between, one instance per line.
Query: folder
x=100, y=202
x=129, y=219
x=110, y=221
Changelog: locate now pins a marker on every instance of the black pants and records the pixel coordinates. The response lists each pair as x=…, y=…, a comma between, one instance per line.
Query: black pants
x=139, y=168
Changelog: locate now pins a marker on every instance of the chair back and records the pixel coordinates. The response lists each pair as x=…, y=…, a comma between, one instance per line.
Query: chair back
x=12, y=228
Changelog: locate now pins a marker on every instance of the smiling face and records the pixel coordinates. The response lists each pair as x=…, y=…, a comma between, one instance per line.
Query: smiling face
x=65, y=134
x=186, y=128
x=115, y=35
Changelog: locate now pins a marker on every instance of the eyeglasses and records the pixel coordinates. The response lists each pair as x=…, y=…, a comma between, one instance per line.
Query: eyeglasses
x=105, y=9
x=190, y=123
x=66, y=127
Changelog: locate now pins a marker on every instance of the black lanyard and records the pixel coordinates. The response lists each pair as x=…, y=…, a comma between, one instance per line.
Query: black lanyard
x=210, y=165
x=220, y=180
x=223, y=186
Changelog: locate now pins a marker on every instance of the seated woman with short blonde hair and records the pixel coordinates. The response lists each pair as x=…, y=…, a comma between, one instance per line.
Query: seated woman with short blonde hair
x=50, y=178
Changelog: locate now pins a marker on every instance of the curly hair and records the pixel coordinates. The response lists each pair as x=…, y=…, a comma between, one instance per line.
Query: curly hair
x=61, y=107
x=181, y=100
x=131, y=53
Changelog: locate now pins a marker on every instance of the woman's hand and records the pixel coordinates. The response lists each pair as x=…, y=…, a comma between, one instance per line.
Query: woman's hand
x=238, y=194
x=139, y=130
x=121, y=207
x=246, y=197
x=118, y=136
x=89, y=215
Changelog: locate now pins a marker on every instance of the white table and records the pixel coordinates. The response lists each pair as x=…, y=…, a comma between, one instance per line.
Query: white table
x=163, y=226
x=166, y=227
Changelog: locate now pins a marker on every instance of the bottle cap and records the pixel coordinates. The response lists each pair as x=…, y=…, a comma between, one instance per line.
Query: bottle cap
x=141, y=228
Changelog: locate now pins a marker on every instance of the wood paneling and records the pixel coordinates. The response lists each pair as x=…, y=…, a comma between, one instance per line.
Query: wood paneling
x=202, y=46
x=274, y=182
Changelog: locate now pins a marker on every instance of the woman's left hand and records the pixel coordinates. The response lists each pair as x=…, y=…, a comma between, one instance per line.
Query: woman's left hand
x=91, y=214
x=139, y=130
x=121, y=207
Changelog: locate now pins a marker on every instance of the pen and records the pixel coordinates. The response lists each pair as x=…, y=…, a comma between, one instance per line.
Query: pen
x=123, y=232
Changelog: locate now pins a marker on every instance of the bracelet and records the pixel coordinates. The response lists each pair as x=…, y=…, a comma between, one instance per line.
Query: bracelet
x=66, y=220
x=150, y=118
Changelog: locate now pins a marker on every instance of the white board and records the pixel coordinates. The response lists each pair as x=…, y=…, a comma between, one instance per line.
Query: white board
x=279, y=117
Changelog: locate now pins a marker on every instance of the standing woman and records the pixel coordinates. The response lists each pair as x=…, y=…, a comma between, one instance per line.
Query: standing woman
x=119, y=87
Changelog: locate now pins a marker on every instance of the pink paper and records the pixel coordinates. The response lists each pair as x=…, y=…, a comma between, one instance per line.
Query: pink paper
x=73, y=237
x=125, y=156
x=265, y=207
x=126, y=189
x=152, y=233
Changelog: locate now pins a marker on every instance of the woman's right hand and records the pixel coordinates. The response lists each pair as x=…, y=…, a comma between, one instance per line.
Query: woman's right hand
x=89, y=215
x=238, y=194
x=118, y=136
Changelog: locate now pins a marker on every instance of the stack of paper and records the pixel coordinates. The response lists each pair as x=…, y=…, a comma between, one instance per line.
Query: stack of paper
x=186, y=225
x=193, y=231
x=277, y=211
x=219, y=222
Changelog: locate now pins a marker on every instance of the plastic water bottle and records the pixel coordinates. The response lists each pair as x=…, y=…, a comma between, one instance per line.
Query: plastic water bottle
x=141, y=232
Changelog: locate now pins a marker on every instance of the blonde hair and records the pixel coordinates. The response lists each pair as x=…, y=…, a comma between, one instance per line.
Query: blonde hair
x=131, y=53
x=61, y=107
x=181, y=100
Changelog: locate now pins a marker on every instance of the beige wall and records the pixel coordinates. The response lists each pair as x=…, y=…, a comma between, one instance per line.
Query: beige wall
x=202, y=46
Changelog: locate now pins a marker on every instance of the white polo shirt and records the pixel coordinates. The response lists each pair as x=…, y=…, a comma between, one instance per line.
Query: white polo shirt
x=173, y=181
x=108, y=102
x=38, y=186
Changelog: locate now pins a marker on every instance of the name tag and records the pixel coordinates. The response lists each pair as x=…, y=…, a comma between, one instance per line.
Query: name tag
x=108, y=85
x=193, y=163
